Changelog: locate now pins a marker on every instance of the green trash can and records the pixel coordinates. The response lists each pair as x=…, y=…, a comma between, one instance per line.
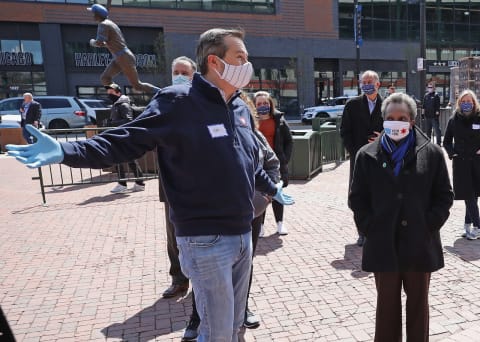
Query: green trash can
x=306, y=156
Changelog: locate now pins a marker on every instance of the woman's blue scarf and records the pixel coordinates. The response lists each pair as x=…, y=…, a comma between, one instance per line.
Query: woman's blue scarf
x=397, y=152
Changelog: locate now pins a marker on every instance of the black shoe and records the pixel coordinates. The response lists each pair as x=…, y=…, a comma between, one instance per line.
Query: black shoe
x=175, y=290
x=191, y=331
x=361, y=241
x=251, y=320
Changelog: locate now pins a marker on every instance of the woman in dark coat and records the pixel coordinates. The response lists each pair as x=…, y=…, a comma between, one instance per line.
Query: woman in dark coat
x=401, y=196
x=274, y=127
x=462, y=142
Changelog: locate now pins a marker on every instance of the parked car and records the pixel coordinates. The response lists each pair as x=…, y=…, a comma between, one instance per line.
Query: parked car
x=92, y=105
x=10, y=121
x=57, y=111
x=332, y=109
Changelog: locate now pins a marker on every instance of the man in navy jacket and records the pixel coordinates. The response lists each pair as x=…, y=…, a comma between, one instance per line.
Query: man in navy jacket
x=209, y=161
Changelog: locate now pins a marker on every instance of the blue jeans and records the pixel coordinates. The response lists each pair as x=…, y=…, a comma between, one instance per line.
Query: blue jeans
x=219, y=268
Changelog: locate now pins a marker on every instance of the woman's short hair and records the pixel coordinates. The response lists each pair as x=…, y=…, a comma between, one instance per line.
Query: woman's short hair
x=400, y=98
x=269, y=98
x=476, y=106
x=212, y=42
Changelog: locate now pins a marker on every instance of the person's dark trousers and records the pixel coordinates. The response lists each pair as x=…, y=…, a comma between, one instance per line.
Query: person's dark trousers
x=350, y=177
x=178, y=278
x=6, y=333
x=388, y=325
x=435, y=124
x=277, y=211
x=256, y=226
x=27, y=136
x=135, y=168
x=471, y=212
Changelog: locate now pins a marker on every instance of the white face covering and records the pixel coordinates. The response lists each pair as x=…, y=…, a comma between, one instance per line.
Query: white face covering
x=396, y=130
x=237, y=76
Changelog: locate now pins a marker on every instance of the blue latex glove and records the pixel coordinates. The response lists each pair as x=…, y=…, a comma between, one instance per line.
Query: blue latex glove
x=45, y=151
x=282, y=198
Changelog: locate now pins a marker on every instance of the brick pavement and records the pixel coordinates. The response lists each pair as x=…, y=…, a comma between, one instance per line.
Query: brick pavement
x=91, y=267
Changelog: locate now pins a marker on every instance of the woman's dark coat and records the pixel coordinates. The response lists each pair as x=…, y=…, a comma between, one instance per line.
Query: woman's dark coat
x=462, y=141
x=401, y=216
x=283, y=145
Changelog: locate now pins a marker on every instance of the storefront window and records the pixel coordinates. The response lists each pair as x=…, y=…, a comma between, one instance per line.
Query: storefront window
x=35, y=48
x=15, y=83
x=10, y=45
x=20, y=52
x=281, y=83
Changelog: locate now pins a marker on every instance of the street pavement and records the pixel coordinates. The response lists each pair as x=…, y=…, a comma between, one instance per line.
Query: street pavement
x=91, y=266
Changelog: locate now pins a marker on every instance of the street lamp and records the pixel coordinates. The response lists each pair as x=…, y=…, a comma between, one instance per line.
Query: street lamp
x=423, y=47
x=358, y=40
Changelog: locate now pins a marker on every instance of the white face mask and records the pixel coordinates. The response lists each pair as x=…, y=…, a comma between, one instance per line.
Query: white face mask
x=396, y=130
x=237, y=76
x=181, y=79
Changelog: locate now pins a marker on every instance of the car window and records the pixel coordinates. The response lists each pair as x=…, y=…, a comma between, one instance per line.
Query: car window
x=341, y=101
x=10, y=105
x=95, y=104
x=54, y=103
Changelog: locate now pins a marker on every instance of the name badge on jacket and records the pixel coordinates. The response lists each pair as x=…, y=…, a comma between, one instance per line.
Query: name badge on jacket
x=217, y=131
x=476, y=126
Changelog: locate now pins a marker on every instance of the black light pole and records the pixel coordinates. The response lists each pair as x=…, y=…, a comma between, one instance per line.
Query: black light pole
x=423, y=48
x=357, y=23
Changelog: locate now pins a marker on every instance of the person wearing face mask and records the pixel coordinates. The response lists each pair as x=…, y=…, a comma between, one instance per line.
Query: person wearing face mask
x=401, y=197
x=208, y=157
x=362, y=122
x=431, y=111
x=121, y=113
x=462, y=143
x=183, y=69
x=274, y=127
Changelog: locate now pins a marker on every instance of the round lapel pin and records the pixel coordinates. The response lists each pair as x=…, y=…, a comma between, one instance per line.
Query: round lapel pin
x=384, y=165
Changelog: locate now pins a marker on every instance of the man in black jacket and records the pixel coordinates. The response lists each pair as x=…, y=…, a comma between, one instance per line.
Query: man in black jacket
x=362, y=121
x=122, y=113
x=31, y=112
x=209, y=160
x=431, y=110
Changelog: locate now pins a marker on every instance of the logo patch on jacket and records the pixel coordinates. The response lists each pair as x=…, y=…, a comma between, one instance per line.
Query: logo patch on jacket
x=217, y=131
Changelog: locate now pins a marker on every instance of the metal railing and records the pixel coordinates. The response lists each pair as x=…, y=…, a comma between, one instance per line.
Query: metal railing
x=59, y=175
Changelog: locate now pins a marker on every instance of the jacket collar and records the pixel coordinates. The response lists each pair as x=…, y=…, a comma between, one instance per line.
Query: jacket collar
x=210, y=90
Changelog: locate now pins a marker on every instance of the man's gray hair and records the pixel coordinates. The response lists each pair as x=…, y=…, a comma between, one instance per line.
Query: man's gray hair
x=212, y=42
x=185, y=59
x=400, y=98
x=28, y=94
x=370, y=73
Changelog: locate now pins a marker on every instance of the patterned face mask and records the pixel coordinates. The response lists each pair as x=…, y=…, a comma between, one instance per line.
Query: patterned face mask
x=396, y=130
x=237, y=76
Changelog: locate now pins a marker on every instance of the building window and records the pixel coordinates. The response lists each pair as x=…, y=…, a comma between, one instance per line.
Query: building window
x=20, y=52
x=15, y=83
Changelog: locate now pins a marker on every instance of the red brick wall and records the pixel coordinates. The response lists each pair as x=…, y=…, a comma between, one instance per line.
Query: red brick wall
x=295, y=18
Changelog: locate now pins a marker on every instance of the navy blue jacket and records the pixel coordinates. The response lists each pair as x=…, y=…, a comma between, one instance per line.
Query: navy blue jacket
x=206, y=150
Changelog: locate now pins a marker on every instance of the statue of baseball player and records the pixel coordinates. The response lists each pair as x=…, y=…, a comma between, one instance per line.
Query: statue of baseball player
x=110, y=36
